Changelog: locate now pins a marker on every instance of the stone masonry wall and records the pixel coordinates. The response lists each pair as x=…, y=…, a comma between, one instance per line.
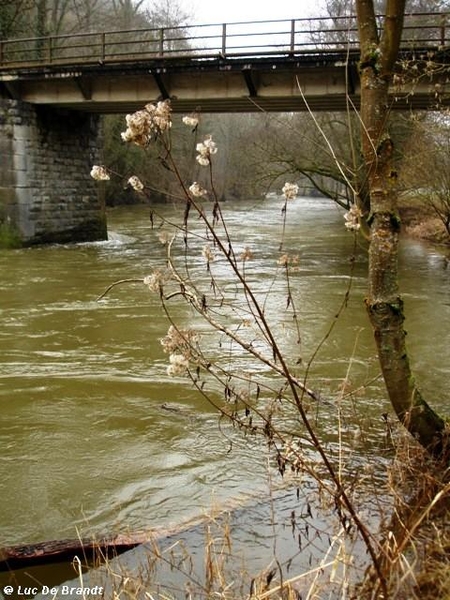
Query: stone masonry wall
x=46, y=192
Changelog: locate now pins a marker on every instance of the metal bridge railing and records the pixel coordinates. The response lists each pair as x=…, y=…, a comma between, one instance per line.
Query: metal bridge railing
x=228, y=40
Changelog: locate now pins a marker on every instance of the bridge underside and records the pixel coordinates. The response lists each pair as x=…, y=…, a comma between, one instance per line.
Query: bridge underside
x=278, y=84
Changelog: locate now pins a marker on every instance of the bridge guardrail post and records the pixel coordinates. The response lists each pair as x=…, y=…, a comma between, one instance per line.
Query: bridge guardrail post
x=443, y=27
x=50, y=49
x=161, y=42
x=292, y=36
x=102, y=46
x=224, y=39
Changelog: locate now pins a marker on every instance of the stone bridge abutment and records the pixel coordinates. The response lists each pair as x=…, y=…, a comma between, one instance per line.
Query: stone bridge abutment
x=46, y=192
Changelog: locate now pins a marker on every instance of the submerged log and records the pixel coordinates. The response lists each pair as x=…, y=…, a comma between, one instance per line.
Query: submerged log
x=89, y=551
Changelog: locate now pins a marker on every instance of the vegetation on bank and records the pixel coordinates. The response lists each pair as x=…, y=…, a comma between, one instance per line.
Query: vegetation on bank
x=9, y=237
x=421, y=221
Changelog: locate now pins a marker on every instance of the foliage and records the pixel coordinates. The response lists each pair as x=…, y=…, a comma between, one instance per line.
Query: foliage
x=290, y=146
x=425, y=172
x=14, y=17
x=9, y=237
x=57, y=17
x=272, y=400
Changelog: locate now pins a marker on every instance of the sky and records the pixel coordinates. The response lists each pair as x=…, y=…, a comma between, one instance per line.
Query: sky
x=226, y=11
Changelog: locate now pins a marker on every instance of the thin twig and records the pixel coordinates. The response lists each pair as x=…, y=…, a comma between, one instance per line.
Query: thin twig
x=109, y=288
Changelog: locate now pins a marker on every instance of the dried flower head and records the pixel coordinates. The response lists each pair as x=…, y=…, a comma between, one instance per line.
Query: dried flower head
x=155, y=281
x=205, y=150
x=247, y=254
x=352, y=218
x=290, y=191
x=179, y=364
x=286, y=260
x=136, y=183
x=144, y=124
x=161, y=114
x=197, y=190
x=164, y=237
x=179, y=341
x=191, y=120
x=208, y=253
x=202, y=160
x=139, y=128
x=99, y=173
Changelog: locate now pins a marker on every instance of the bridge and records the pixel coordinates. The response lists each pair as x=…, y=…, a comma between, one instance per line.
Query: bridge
x=53, y=89
x=234, y=67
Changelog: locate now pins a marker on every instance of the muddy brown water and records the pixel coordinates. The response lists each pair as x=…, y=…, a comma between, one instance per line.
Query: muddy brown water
x=88, y=443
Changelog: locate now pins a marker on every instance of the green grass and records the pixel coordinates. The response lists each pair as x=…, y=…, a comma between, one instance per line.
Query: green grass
x=9, y=236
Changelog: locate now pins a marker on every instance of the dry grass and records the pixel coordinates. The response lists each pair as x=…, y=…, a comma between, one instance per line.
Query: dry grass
x=172, y=572
x=415, y=551
x=429, y=230
x=211, y=561
x=433, y=578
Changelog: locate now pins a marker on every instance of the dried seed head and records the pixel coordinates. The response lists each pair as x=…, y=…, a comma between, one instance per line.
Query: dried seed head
x=290, y=191
x=99, y=173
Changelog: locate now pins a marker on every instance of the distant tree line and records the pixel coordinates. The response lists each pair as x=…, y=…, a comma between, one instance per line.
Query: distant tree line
x=33, y=18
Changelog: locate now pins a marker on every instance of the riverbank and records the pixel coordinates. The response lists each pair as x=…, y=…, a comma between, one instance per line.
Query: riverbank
x=416, y=550
x=433, y=575
x=420, y=221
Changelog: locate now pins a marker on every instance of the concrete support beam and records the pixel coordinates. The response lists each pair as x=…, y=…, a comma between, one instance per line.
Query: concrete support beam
x=85, y=86
x=247, y=73
x=161, y=85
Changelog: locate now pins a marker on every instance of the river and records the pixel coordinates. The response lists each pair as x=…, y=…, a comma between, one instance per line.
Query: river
x=88, y=445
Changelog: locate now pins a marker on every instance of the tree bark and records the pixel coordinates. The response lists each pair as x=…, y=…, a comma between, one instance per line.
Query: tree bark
x=384, y=304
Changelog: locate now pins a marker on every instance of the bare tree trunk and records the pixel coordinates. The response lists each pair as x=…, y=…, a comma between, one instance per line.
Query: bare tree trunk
x=384, y=304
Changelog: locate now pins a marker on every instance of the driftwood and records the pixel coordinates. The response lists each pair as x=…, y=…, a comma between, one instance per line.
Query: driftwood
x=88, y=551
